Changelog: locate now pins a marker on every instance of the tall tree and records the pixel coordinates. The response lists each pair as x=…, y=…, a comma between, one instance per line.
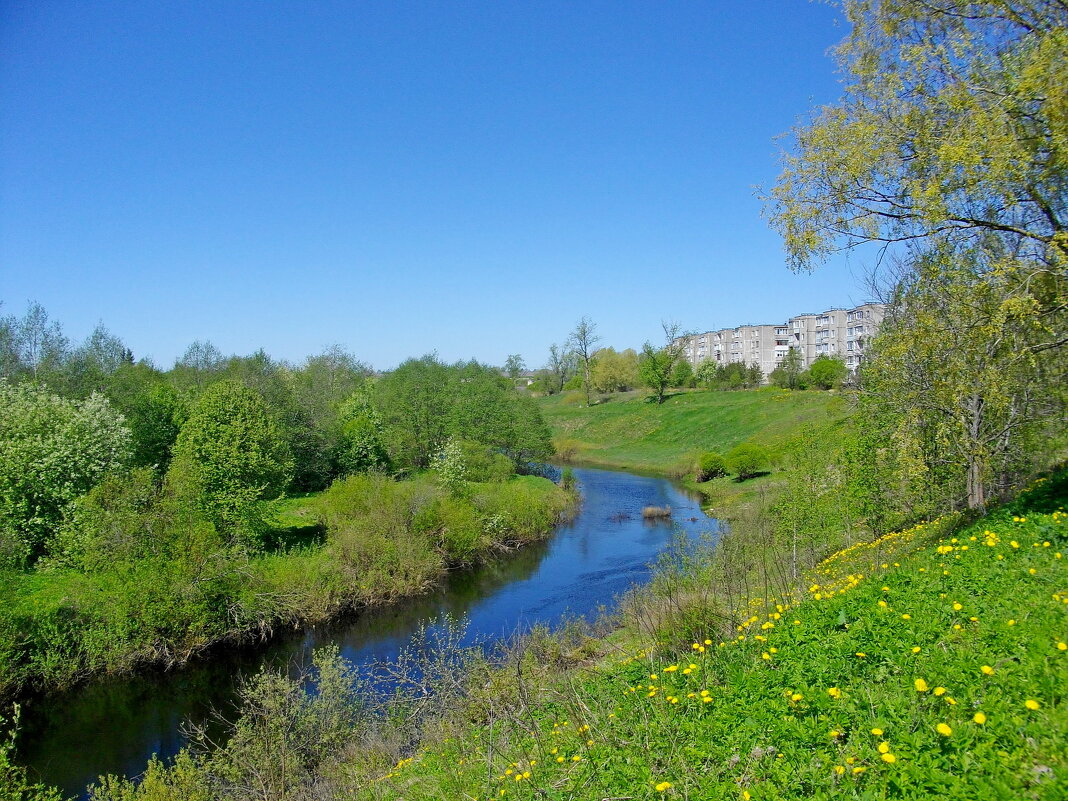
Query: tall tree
x=953, y=125
x=582, y=342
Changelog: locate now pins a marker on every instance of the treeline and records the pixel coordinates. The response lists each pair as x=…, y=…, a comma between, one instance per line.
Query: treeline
x=147, y=513
x=224, y=432
x=580, y=366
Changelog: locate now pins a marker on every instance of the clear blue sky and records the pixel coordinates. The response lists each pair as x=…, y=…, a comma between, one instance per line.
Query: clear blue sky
x=401, y=177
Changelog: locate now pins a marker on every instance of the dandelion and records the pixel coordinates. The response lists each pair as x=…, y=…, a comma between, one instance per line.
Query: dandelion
x=957, y=606
x=888, y=758
x=989, y=671
x=906, y=617
x=857, y=771
x=839, y=769
x=915, y=649
x=943, y=729
x=663, y=787
x=939, y=690
x=834, y=692
x=920, y=685
x=877, y=732
x=1032, y=704
x=884, y=747
x=1062, y=646
x=979, y=718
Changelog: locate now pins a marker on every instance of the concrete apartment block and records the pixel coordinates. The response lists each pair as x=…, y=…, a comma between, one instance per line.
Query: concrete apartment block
x=844, y=333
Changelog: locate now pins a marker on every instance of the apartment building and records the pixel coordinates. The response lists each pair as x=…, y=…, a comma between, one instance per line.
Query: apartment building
x=836, y=332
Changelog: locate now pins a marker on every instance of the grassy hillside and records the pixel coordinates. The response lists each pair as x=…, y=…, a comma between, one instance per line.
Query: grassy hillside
x=630, y=432
x=925, y=664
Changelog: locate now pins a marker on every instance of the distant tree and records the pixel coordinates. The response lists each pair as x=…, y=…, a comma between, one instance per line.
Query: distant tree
x=231, y=453
x=827, y=373
x=582, y=342
x=682, y=375
x=559, y=369
x=658, y=364
x=198, y=366
x=42, y=348
x=90, y=366
x=514, y=365
x=51, y=451
x=614, y=372
x=754, y=375
x=788, y=374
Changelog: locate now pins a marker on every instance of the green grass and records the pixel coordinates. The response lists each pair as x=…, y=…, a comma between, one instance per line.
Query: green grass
x=921, y=665
x=630, y=432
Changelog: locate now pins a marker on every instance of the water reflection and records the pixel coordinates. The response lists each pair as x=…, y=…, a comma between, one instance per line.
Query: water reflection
x=114, y=726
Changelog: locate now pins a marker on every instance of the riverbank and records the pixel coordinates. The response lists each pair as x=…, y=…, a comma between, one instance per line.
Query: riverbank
x=589, y=560
x=625, y=431
x=929, y=662
x=379, y=541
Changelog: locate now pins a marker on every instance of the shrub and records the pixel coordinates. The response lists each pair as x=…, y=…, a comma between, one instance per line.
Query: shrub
x=746, y=460
x=711, y=465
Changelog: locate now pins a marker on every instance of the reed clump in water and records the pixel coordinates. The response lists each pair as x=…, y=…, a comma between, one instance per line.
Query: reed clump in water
x=656, y=512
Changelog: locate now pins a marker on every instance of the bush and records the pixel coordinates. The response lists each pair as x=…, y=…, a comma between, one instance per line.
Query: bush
x=746, y=460
x=711, y=465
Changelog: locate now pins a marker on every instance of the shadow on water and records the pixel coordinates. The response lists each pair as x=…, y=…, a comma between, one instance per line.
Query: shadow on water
x=116, y=725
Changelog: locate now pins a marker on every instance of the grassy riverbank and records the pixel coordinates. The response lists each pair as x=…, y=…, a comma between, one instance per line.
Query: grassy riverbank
x=368, y=540
x=629, y=432
x=928, y=663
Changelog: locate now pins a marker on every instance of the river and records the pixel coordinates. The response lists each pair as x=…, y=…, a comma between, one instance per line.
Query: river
x=115, y=725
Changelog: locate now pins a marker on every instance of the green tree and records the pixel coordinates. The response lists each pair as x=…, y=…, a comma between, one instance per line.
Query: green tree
x=788, y=374
x=361, y=446
x=658, y=364
x=559, y=369
x=682, y=375
x=953, y=125
x=827, y=373
x=513, y=366
x=583, y=343
x=614, y=372
x=51, y=451
x=414, y=401
x=231, y=453
x=955, y=389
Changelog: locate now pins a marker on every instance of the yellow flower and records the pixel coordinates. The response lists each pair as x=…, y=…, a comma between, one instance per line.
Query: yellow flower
x=889, y=758
x=957, y=607
x=839, y=769
x=834, y=692
x=663, y=787
x=1032, y=704
x=906, y=617
x=1062, y=646
x=884, y=747
x=915, y=649
x=877, y=732
x=987, y=670
x=979, y=718
x=939, y=690
x=921, y=685
x=857, y=771
x=943, y=729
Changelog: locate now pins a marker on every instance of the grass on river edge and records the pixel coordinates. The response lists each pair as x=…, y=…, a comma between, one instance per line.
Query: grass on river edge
x=930, y=663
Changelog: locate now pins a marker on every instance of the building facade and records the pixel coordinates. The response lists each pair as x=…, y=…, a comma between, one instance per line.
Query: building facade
x=842, y=333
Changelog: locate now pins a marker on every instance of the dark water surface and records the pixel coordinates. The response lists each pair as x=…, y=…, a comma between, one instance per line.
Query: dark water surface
x=115, y=725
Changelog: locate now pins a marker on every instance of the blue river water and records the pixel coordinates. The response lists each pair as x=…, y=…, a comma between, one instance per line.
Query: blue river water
x=116, y=725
